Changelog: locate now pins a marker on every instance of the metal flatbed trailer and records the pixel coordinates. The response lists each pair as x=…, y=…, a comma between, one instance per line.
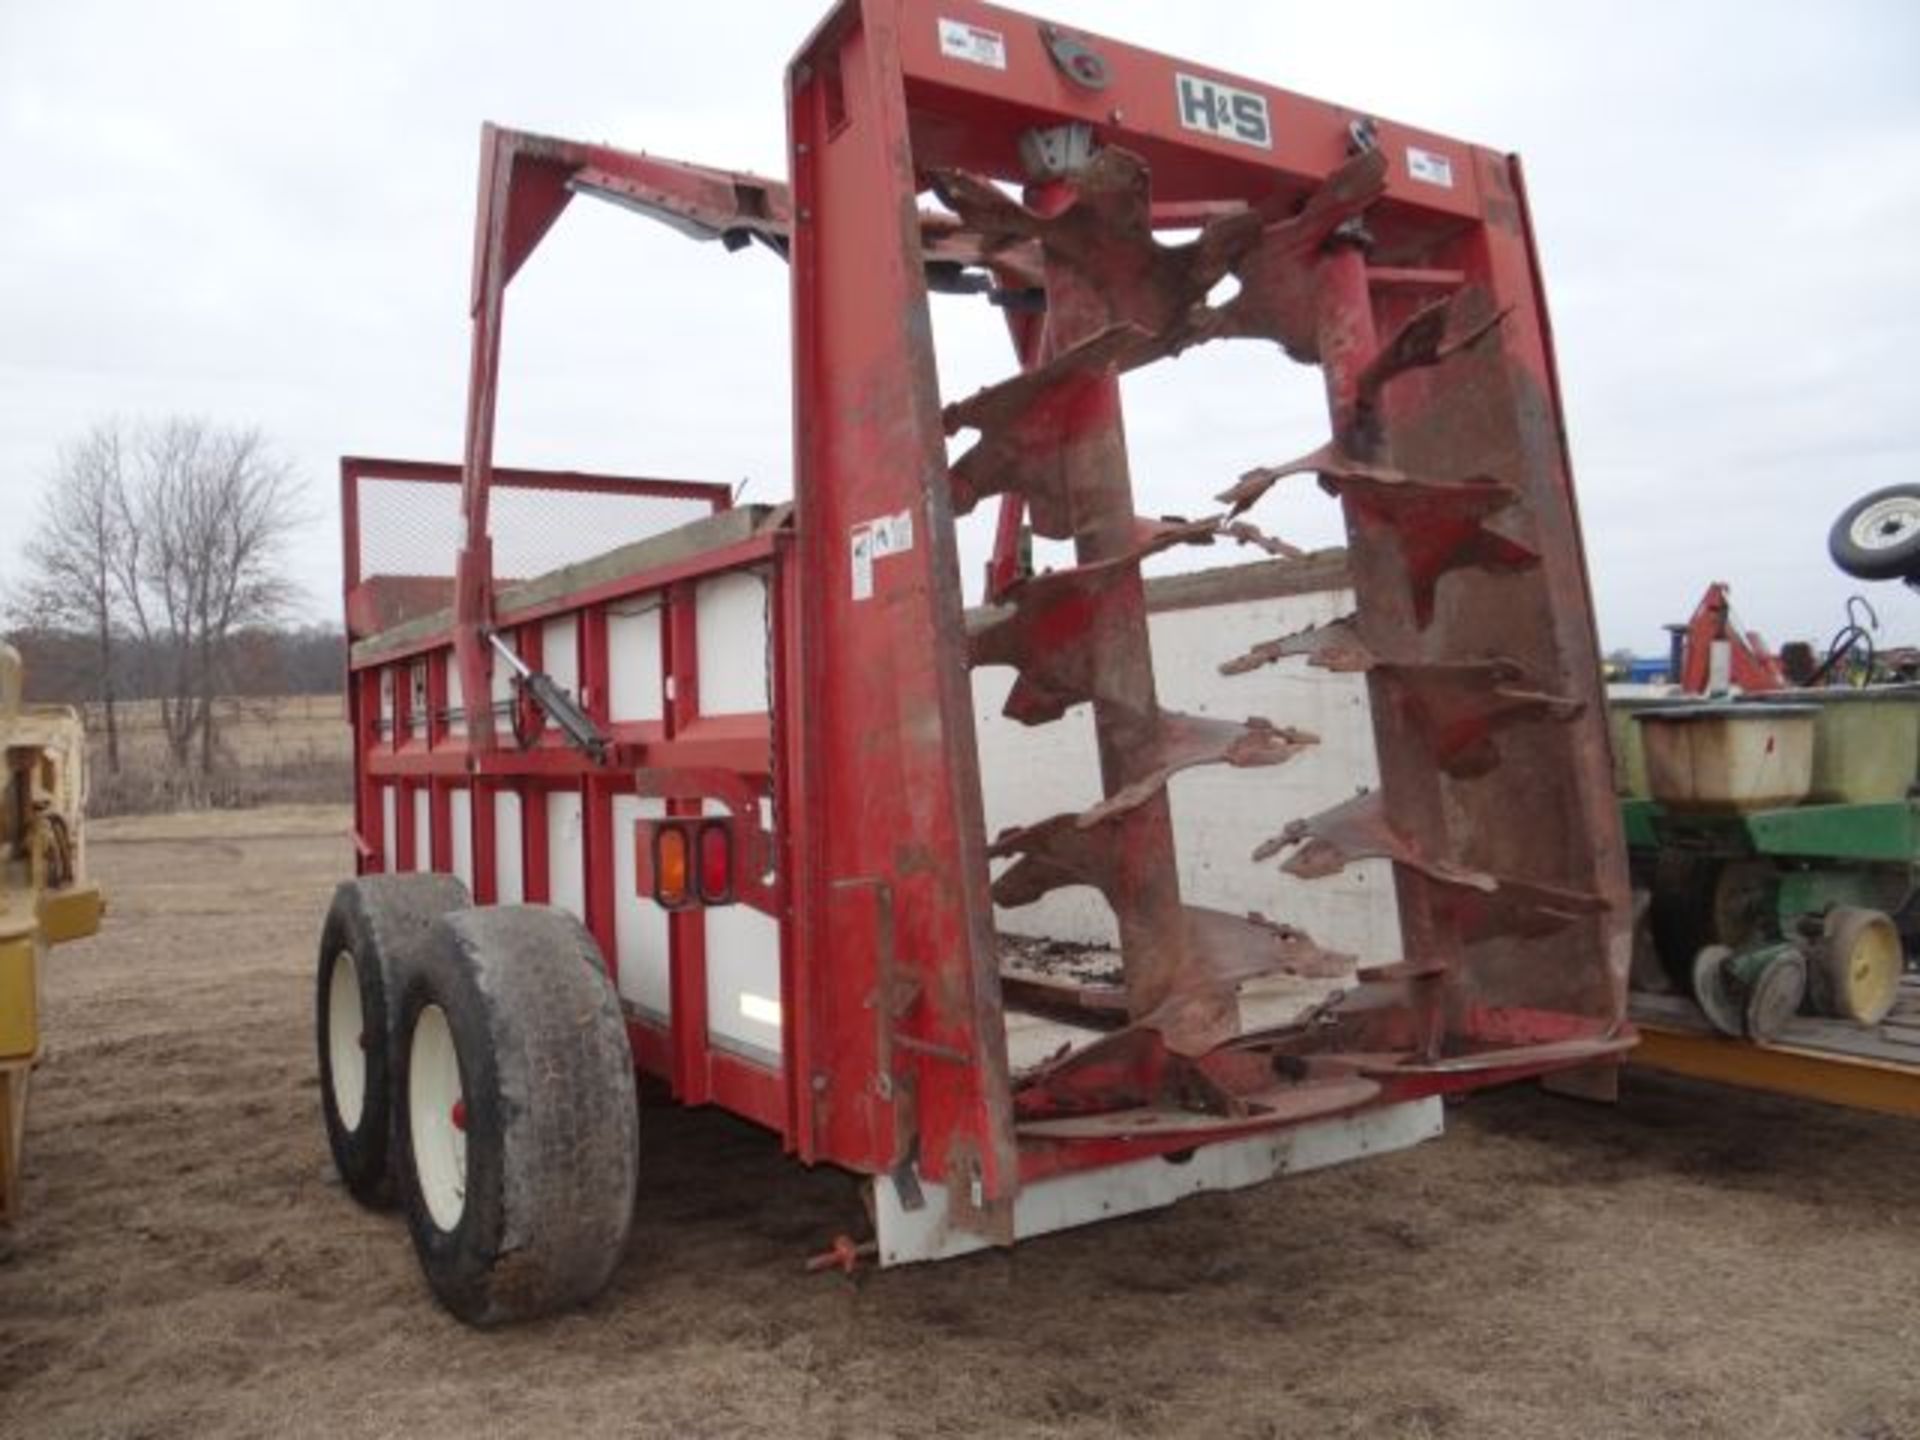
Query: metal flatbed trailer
x=1875, y=1068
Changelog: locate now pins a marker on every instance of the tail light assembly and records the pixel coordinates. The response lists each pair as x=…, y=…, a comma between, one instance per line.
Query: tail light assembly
x=683, y=862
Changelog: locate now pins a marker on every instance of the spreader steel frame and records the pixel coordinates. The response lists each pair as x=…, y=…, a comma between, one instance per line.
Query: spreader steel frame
x=964, y=147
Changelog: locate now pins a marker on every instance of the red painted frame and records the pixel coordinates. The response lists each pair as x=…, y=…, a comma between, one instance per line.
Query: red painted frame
x=684, y=740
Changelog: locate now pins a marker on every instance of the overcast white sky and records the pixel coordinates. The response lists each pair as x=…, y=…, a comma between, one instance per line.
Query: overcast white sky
x=261, y=213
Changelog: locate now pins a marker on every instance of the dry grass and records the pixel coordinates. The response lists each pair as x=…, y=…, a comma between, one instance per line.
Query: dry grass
x=1693, y=1262
x=287, y=749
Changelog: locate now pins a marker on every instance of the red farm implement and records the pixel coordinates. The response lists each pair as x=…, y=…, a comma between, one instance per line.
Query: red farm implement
x=701, y=785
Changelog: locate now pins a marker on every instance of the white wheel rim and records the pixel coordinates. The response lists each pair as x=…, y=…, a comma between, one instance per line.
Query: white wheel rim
x=436, y=1118
x=1886, y=523
x=346, y=1047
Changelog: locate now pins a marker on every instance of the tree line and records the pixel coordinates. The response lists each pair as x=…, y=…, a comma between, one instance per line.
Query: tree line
x=154, y=571
x=63, y=666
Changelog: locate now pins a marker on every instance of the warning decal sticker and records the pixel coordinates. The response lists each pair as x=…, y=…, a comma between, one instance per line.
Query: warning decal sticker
x=973, y=44
x=875, y=540
x=1429, y=166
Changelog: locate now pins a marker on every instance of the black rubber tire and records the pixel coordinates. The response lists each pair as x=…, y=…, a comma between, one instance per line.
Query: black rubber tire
x=382, y=920
x=1891, y=561
x=551, y=1115
x=1702, y=900
x=1680, y=913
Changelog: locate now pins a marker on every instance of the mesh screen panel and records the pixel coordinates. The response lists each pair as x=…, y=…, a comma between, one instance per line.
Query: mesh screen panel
x=413, y=527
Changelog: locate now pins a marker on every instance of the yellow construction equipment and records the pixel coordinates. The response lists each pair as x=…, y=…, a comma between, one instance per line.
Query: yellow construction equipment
x=45, y=897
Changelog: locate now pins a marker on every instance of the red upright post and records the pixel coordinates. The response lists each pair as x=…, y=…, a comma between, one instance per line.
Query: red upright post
x=909, y=1054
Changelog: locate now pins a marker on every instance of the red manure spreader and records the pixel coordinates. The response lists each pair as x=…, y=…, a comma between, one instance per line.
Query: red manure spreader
x=648, y=781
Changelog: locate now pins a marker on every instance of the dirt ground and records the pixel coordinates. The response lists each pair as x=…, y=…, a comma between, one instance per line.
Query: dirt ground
x=1694, y=1262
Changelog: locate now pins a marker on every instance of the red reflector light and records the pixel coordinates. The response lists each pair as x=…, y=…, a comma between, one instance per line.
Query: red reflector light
x=716, y=862
x=670, y=866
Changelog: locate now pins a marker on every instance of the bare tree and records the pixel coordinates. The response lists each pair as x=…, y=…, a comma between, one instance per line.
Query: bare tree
x=73, y=559
x=205, y=524
x=167, y=535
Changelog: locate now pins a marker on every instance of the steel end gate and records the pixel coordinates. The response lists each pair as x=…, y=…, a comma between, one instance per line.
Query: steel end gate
x=1398, y=261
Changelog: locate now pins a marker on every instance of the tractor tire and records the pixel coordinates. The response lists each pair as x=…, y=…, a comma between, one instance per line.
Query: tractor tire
x=1878, y=536
x=373, y=929
x=520, y=1139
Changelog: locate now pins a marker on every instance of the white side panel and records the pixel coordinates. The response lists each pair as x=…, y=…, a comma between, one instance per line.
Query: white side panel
x=743, y=979
x=730, y=615
x=560, y=653
x=566, y=853
x=422, y=830
x=460, y=818
x=416, y=679
x=1219, y=814
x=389, y=830
x=456, y=701
x=1026, y=774
x=501, y=682
x=1064, y=1201
x=386, y=703
x=509, y=882
x=639, y=925
x=634, y=664
x=1033, y=1040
